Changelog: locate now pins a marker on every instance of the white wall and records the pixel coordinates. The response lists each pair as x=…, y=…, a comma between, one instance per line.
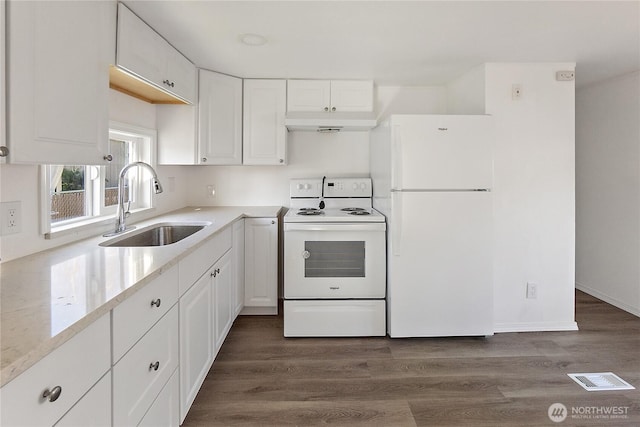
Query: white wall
x=22, y=182
x=534, y=214
x=466, y=94
x=310, y=155
x=608, y=191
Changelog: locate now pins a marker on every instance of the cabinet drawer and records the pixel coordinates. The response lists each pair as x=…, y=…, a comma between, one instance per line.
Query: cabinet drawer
x=74, y=367
x=194, y=265
x=165, y=410
x=142, y=373
x=135, y=316
x=93, y=410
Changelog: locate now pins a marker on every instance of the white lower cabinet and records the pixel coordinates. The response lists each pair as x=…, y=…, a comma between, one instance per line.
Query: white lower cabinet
x=143, y=372
x=64, y=375
x=222, y=299
x=165, y=411
x=94, y=409
x=261, y=266
x=196, y=340
x=238, y=263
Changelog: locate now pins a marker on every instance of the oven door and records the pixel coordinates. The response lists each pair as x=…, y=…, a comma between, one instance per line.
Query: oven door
x=334, y=260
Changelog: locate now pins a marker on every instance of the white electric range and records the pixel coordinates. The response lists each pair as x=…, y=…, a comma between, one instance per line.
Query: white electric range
x=334, y=260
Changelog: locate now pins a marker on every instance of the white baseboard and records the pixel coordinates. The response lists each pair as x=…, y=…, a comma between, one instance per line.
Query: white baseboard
x=608, y=299
x=535, y=327
x=259, y=311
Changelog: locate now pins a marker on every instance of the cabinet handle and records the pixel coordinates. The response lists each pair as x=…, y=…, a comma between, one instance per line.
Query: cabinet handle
x=333, y=108
x=168, y=83
x=273, y=222
x=154, y=366
x=326, y=108
x=108, y=157
x=281, y=160
x=204, y=160
x=215, y=272
x=4, y=151
x=156, y=302
x=53, y=394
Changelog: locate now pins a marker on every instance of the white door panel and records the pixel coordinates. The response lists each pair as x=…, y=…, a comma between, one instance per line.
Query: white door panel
x=440, y=264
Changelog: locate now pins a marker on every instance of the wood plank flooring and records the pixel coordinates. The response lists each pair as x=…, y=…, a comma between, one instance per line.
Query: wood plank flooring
x=261, y=378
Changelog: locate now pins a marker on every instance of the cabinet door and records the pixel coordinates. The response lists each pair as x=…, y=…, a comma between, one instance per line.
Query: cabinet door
x=261, y=265
x=308, y=95
x=264, y=133
x=352, y=95
x=140, y=49
x=196, y=340
x=181, y=73
x=58, y=88
x=219, y=119
x=238, y=262
x=3, y=127
x=222, y=279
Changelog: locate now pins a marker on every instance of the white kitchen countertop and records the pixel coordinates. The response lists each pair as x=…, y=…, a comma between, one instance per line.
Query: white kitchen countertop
x=48, y=297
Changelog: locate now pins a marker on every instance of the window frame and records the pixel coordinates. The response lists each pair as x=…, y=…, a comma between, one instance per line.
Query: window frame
x=99, y=215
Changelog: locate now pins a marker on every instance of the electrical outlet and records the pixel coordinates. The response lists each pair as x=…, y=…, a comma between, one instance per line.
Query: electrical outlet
x=211, y=191
x=516, y=92
x=532, y=290
x=11, y=214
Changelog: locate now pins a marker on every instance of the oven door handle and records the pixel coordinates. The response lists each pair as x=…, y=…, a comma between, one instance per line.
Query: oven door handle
x=371, y=226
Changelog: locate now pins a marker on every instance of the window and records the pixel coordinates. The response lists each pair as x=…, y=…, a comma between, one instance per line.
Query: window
x=77, y=195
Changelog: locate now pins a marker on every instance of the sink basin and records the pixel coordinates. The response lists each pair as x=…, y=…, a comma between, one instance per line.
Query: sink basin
x=156, y=235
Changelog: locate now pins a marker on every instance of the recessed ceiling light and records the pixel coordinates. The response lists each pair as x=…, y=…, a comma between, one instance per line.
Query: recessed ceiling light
x=253, y=39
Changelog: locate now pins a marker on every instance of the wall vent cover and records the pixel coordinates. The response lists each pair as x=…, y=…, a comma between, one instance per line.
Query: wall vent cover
x=601, y=381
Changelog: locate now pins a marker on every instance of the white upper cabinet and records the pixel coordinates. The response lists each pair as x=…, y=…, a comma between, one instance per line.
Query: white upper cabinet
x=330, y=95
x=145, y=54
x=264, y=133
x=58, y=80
x=219, y=119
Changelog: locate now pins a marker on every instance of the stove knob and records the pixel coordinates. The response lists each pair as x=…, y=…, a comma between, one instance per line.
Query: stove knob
x=300, y=186
x=306, y=254
x=307, y=186
x=363, y=186
x=355, y=185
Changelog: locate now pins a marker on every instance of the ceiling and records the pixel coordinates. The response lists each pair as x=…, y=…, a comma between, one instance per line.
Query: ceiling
x=404, y=43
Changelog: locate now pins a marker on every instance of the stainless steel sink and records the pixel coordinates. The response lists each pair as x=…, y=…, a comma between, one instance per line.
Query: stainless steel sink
x=156, y=235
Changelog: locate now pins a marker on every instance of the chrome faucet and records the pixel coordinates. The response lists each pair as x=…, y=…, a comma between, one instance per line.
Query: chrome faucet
x=121, y=225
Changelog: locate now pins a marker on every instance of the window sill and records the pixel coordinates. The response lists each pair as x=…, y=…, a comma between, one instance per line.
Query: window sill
x=93, y=226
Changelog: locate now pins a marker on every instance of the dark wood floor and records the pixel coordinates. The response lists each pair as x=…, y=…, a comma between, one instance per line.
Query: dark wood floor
x=263, y=379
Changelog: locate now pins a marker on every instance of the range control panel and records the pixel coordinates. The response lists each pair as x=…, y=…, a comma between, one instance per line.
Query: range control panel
x=333, y=187
x=347, y=187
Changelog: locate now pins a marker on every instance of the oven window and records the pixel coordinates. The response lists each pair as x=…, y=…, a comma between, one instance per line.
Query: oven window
x=334, y=259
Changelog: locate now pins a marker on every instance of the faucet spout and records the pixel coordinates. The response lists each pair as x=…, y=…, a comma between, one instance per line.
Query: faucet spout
x=121, y=216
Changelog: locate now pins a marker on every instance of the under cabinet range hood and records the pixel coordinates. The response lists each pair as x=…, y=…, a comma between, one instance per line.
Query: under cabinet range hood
x=330, y=122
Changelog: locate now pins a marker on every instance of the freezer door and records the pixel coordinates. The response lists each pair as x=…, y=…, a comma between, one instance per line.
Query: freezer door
x=440, y=264
x=441, y=152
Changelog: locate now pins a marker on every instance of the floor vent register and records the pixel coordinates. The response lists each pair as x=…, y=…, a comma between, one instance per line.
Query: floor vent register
x=601, y=381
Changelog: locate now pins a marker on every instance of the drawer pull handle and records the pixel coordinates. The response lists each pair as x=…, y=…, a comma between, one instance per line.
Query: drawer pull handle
x=215, y=272
x=154, y=366
x=156, y=302
x=52, y=394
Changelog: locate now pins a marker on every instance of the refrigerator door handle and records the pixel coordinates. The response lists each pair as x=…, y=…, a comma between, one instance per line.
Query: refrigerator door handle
x=396, y=223
x=396, y=154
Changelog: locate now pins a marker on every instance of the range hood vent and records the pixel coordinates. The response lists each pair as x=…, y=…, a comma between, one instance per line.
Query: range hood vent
x=330, y=122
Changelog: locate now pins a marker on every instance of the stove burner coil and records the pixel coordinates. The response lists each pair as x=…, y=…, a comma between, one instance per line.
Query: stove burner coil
x=308, y=212
x=359, y=212
x=352, y=209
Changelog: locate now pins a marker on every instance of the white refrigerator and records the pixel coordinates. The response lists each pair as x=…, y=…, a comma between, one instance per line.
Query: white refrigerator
x=432, y=178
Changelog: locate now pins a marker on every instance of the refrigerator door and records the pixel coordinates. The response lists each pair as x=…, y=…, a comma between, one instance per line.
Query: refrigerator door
x=441, y=152
x=440, y=264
